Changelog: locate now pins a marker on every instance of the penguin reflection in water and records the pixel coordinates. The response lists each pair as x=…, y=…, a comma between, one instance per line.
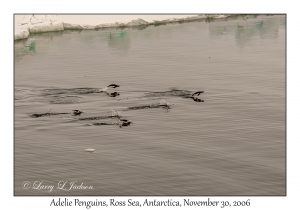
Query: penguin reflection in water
x=114, y=94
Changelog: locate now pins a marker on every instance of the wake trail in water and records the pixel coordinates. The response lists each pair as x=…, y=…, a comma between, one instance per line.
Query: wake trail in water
x=47, y=114
x=99, y=118
x=163, y=104
x=71, y=91
x=178, y=93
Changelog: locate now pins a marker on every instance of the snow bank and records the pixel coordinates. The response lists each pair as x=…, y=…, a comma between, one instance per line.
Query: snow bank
x=21, y=32
x=27, y=24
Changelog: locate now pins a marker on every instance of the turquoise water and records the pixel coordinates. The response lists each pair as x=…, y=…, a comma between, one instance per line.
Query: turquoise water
x=232, y=144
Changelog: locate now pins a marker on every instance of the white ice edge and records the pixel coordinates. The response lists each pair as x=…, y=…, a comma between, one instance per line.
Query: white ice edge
x=27, y=24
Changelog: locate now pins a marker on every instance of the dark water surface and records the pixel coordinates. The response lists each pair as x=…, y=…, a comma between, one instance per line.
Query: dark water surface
x=232, y=144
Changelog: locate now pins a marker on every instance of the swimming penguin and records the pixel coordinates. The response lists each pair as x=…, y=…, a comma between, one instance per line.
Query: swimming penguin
x=124, y=122
x=193, y=96
x=76, y=112
x=113, y=86
x=197, y=93
x=109, y=86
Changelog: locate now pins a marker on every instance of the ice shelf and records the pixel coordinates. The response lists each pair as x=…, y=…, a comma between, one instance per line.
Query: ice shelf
x=28, y=24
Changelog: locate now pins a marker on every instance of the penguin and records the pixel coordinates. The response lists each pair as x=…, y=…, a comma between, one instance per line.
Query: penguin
x=76, y=112
x=124, y=122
